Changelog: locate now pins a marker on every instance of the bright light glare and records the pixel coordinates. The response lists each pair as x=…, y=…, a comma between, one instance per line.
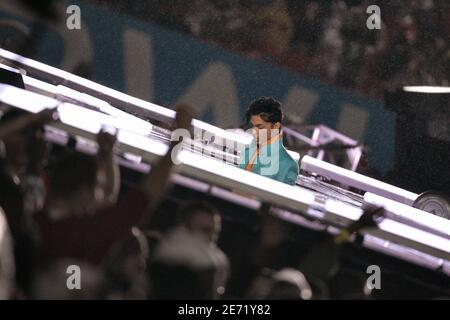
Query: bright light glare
x=143, y=143
x=20, y=98
x=427, y=89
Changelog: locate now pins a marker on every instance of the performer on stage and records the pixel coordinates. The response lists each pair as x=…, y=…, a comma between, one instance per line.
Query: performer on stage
x=266, y=154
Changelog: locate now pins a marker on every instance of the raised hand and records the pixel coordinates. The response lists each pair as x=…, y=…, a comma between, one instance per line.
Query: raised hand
x=105, y=141
x=44, y=117
x=367, y=219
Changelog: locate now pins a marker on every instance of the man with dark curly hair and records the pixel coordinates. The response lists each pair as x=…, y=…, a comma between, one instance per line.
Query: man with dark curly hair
x=266, y=155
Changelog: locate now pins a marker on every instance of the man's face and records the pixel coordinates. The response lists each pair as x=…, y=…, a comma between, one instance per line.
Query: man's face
x=263, y=130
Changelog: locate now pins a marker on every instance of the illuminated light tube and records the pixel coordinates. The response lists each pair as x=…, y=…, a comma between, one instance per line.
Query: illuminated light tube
x=223, y=134
x=76, y=116
x=235, y=178
x=404, y=253
x=426, y=89
x=343, y=214
x=80, y=120
x=39, y=86
x=235, y=198
x=390, y=230
x=132, y=157
x=419, y=218
x=161, y=112
x=128, y=142
x=63, y=75
x=413, y=238
x=141, y=146
x=357, y=180
x=28, y=101
x=92, y=121
x=133, y=123
x=191, y=183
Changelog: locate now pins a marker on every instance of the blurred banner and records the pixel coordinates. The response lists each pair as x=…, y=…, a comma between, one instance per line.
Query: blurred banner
x=165, y=67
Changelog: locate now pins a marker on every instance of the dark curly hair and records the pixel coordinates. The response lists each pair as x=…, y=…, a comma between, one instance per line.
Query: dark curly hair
x=267, y=108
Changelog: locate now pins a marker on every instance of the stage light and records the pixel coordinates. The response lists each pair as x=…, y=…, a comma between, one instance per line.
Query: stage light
x=128, y=121
x=356, y=180
x=28, y=101
x=423, y=241
x=408, y=215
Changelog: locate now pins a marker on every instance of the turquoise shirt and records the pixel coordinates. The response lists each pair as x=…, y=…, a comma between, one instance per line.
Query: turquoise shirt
x=273, y=162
